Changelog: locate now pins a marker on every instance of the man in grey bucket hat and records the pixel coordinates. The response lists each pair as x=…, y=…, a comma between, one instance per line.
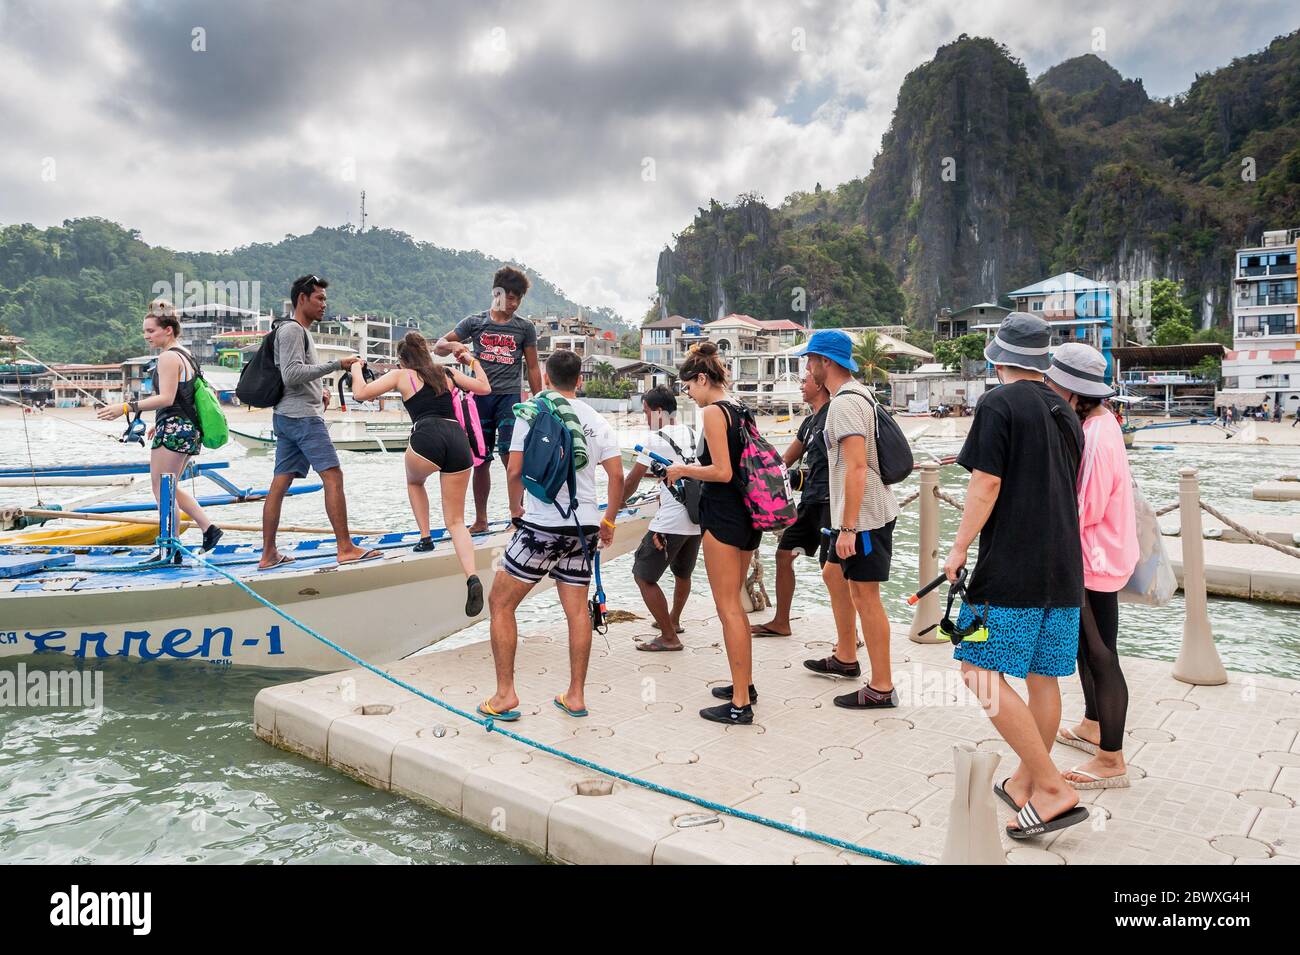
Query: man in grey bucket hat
x=1021, y=342
x=1021, y=608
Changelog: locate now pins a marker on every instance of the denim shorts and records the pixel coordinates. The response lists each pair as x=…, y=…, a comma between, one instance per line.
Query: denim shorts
x=1023, y=640
x=496, y=415
x=302, y=443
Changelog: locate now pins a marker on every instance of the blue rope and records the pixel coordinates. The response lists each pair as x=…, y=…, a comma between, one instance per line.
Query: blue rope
x=490, y=725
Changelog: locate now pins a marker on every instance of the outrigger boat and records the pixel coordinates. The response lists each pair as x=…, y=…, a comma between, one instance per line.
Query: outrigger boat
x=115, y=478
x=94, y=604
x=345, y=434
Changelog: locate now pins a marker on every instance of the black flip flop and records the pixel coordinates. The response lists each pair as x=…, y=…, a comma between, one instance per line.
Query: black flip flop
x=1031, y=824
x=367, y=556
x=1000, y=790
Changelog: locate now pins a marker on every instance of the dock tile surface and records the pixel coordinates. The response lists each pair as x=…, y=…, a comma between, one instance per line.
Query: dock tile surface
x=1215, y=770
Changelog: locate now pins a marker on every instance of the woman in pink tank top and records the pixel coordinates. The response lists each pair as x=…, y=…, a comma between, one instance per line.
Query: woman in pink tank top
x=1108, y=536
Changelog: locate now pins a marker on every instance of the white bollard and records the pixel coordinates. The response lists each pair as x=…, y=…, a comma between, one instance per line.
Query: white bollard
x=926, y=613
x=1198, y=661
x=973, y=837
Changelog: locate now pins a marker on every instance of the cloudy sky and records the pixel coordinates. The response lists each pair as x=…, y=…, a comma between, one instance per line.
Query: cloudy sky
x=576, y=137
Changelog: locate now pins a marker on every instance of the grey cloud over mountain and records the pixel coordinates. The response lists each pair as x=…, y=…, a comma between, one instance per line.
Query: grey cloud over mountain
x=519, y=128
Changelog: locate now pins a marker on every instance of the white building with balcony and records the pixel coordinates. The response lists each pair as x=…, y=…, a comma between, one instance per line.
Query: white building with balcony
x=1265, y=353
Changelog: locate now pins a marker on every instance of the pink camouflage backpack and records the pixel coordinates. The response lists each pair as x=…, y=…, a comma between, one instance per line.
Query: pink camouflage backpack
x=467, y=416
x=763, y=480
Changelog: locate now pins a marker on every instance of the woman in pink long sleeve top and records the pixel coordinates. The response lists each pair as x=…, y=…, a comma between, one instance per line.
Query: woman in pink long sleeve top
x=1108, y=532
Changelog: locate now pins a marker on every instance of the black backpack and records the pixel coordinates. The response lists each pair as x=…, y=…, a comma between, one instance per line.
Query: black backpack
x=691, y=489
x=893, y=453
x=260, y=383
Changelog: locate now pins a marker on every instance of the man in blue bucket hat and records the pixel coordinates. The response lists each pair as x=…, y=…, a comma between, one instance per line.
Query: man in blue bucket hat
x=1021, y=607
x=860, y=519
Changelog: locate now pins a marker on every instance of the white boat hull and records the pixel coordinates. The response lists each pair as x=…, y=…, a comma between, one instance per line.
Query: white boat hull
x=379, y=610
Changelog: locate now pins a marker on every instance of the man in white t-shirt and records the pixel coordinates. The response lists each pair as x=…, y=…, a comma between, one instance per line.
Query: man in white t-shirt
x=548, y=544
x=673, y=539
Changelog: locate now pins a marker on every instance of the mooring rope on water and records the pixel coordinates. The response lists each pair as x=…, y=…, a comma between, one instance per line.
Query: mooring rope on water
x=1250, y=535
x=491, y=727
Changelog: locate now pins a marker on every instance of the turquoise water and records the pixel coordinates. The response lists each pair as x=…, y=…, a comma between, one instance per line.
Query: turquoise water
x=171, y=772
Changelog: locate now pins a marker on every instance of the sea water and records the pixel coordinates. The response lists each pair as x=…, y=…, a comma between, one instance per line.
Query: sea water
x=170, y=771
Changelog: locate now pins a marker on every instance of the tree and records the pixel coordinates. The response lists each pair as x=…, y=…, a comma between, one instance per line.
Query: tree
x=952, y=352
x=872, y=358
x=604, y=370
x=1209, y=368
x=1173, y=333
x=629, y=344
x=1166, y=298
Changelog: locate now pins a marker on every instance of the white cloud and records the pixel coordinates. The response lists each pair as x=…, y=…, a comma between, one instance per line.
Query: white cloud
x=515, y=128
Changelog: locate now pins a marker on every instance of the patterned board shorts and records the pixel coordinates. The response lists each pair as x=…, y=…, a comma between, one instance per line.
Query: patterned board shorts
x=536, y=552
x=177, y=434
x=1023, y=640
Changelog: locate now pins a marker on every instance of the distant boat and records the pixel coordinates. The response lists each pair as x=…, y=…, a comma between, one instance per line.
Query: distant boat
x=346, y=435
x=91, y=605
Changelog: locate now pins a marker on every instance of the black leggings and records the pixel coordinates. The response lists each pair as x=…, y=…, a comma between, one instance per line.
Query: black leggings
x=1105, y=693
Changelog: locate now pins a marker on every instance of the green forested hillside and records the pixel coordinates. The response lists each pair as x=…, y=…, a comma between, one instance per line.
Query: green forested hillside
x=77, y=291
x=987, y=181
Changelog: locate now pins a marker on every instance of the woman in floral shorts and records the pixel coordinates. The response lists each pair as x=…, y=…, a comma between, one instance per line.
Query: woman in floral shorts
x=176, y=434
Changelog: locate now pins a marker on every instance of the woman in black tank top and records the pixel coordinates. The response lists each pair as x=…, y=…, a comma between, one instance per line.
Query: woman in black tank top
x=729, y=534
x=438, y=444
x=175, y=436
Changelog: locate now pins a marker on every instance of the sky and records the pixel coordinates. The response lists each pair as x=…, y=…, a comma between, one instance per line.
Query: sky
x=574, y=137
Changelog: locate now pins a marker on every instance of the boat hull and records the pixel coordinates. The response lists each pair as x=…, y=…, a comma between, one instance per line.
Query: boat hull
x=379, y=610
x=376, y=442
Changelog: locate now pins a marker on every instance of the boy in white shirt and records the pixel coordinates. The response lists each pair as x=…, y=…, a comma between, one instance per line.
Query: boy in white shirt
x=545, y=543
x=673, y=539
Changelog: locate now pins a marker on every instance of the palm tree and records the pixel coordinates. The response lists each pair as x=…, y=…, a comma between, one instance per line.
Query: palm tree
x=872, y=359
x=604, y=370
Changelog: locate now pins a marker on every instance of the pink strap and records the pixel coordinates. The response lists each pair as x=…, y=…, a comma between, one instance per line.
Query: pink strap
x=412, y=374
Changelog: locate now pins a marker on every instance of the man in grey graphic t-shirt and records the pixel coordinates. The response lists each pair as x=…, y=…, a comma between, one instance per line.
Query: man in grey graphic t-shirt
x=507, y=346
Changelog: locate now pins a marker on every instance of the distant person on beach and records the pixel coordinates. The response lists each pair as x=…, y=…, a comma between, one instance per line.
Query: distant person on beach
x=302, y=440
x=1108, y=529
x=861, y=519
x=176, y=436
x=439, y=444
x=729, y=537
x=1023, y=452
x=672, y=542
x=804, y=537
x=546, y=543
x=506, y=345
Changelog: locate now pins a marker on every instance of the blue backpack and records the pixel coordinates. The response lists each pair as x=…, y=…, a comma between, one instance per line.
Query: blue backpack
x=549, y=463
x=548, y=458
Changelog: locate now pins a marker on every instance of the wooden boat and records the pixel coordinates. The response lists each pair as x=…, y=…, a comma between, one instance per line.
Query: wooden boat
x=18, y=526
x=92, y=605
x=346, y=435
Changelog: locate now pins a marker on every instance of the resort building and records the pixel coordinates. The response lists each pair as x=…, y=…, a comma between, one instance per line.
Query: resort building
x=77, y=386
x=1265, y=355
x=950, y=324
x=1078, y=309
x=574, y=334
x=663, y=342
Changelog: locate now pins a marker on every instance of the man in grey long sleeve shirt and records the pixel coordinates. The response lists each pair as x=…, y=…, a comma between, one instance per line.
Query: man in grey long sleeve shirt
x=302, y=440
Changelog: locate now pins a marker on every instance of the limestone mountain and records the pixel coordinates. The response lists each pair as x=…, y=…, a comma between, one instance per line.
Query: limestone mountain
x=985, y=182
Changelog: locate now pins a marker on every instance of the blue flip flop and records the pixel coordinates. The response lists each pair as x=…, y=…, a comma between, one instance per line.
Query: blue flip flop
x=559, y=701
x=506, y=716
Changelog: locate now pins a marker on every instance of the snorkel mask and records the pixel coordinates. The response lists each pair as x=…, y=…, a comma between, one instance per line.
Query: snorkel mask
x=134, y=433
x=974, y=632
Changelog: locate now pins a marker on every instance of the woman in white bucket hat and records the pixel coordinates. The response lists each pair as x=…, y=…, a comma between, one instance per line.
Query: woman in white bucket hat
x=1108, y=532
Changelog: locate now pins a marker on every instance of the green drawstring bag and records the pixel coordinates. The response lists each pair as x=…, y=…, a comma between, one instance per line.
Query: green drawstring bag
x=214, y=432
x=212, y=420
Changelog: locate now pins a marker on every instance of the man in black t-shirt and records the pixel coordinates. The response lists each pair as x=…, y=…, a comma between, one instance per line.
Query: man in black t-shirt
x=1023, y=453
x=804, y=536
